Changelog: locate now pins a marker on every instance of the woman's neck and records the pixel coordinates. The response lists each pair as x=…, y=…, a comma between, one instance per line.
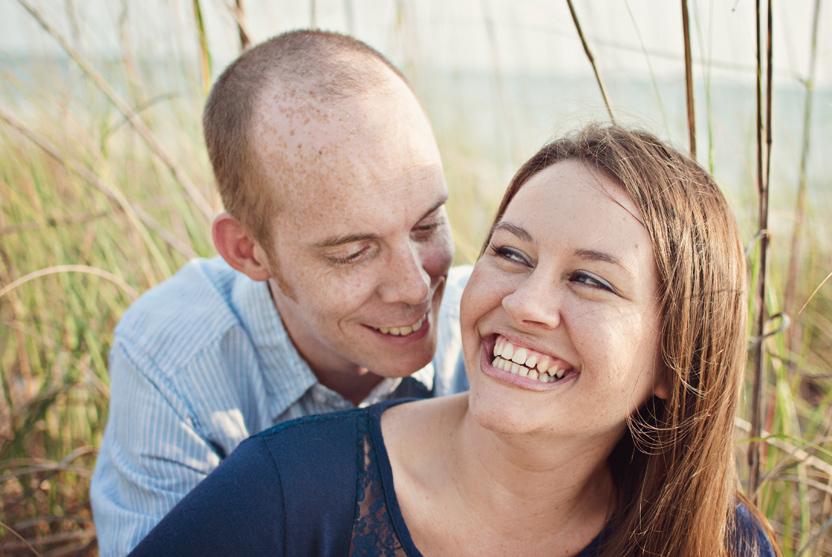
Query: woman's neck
x=466, y=489
x=532, y=473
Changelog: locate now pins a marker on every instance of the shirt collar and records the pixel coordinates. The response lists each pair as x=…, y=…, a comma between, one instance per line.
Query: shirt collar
x=286, y=375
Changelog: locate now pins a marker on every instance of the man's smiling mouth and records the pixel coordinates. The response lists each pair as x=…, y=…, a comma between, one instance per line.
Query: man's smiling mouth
x=402, y=331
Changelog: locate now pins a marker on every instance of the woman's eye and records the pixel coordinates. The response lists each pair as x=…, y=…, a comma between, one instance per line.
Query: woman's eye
x=591, y=280
x=510, y=254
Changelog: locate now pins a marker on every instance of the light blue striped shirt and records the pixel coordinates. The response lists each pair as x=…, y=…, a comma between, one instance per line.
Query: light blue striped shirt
x=199, y=364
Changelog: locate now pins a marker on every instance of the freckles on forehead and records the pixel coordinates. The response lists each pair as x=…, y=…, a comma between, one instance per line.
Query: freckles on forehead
x=348, y=160
x=296, y=139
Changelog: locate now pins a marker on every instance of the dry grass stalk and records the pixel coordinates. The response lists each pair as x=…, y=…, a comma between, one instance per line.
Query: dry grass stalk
x=507, y=118
x=69, y=219
x=758, y=389
x=132, y=116
x=795, y=260
x=132, y=211
x=591, y=61
x=689, y=79
x=815, y=537
x=118, y=281
x=817, y=289
x=26, y=544
x=239, y=13
x=204, y=53
x=649, y=67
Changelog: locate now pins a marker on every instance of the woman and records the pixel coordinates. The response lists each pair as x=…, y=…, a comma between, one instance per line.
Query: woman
x=603, y=328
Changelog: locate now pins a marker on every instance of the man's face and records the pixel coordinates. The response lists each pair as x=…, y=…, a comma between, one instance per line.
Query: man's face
x=361, y=242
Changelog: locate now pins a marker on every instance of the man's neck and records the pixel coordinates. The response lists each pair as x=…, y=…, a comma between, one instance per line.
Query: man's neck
x=353, y=388
x=353, y=383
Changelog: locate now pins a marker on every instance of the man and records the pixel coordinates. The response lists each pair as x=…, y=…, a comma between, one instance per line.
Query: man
x=335, y=251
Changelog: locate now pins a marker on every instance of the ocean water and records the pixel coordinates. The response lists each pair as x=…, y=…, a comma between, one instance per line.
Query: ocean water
x=492, y=124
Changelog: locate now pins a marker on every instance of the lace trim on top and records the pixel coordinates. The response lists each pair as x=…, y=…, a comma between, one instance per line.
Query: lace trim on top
x=373, y=533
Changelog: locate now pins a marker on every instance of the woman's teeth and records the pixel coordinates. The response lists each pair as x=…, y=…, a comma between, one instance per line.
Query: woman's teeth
x=401, y=331
x=521, y=361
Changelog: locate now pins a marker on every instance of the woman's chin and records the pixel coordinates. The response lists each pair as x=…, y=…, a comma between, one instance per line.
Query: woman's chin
x=502, y=415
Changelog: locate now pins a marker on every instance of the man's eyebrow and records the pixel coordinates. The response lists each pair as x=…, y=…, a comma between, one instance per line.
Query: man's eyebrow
x=435, y=207
x=518, y=231
x=333, y=241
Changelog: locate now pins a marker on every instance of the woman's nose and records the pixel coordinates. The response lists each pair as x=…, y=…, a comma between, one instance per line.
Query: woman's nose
x=535, y=303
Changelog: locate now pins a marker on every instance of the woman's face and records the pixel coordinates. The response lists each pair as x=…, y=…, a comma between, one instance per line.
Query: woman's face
x=560, y=319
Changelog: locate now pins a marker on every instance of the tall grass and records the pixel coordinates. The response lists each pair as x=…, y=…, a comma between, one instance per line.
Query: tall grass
x=105, y=190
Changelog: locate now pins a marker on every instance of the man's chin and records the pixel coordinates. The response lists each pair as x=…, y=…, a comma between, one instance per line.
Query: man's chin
x=403, y=367
x=397, y=355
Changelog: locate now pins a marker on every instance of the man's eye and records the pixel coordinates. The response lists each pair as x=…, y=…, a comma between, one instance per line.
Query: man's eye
x=347, y=259
x=425, y=230
x=593, y=281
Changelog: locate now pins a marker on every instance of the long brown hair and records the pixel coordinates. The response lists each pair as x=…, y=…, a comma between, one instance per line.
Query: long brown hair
x=674, y=469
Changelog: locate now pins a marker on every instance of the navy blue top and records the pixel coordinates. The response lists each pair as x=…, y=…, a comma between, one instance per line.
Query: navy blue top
x=320, y=485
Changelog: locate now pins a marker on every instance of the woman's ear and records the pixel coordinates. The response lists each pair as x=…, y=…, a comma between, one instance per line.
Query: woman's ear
x=660, y=389
x=239, y=249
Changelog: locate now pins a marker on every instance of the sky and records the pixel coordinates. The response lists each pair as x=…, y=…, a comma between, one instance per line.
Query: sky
x=533, y=36
x=499, y=77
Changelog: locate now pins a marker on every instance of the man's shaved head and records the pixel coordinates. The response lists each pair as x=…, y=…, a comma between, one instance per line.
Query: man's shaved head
x=304, y=71
x=333, y=183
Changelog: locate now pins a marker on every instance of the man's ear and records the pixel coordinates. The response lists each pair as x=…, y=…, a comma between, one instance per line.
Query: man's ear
x=238, y=248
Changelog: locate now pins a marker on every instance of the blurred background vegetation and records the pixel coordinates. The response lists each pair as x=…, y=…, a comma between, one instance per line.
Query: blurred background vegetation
x=106, y=190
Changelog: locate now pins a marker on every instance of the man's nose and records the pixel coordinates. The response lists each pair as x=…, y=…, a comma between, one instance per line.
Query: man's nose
x=406, y=280
x=536, y=303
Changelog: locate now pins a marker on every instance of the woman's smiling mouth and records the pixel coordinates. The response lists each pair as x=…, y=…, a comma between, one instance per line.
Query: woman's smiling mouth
x=528, y=363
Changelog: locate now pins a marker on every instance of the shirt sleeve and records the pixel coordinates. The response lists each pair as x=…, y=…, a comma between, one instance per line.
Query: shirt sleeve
x=151, y=456
x=237, y=510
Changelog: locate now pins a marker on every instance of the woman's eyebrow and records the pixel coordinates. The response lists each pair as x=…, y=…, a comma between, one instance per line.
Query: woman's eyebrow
x=590, y=254
x=518, y=231
x=596, y=255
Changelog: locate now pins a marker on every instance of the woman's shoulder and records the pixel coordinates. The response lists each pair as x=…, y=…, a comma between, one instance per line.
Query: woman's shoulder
x=750, y=533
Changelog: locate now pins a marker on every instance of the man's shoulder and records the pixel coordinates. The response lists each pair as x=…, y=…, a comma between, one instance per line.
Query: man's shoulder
x=179, y=317
x=314, y=432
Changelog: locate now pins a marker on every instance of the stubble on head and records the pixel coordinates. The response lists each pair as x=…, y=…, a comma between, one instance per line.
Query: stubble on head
x=300, y=136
